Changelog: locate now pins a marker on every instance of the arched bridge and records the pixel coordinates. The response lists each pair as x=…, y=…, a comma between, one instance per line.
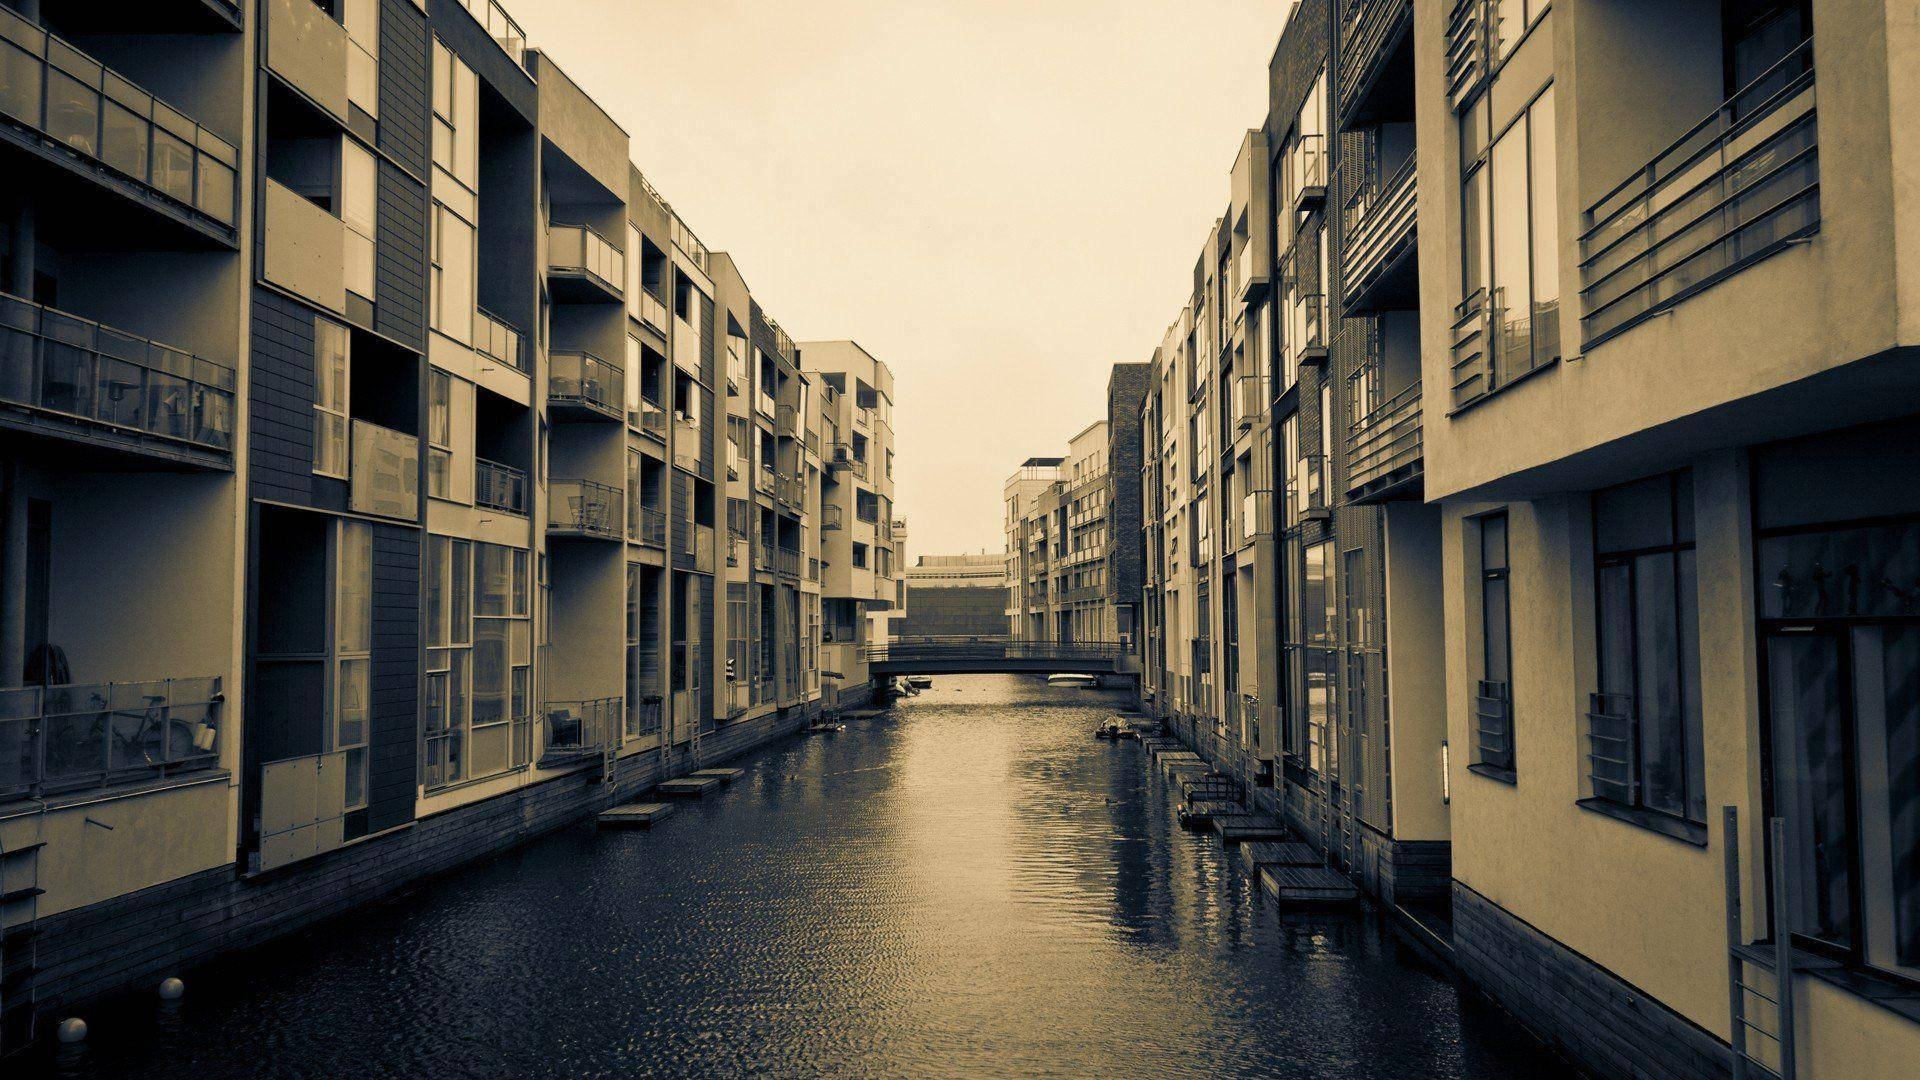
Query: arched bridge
x=968, y=655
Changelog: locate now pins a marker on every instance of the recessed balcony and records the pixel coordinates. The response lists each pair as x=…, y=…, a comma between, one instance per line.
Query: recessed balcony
x=583, y=267
x=650, y=419
x=76, y=379
x=499, y=487
x=1741, y=185
x=1378, y=260
x=581, y=386
x=386, y=472
x=1307, y=491
x=686, y=445
x=1384, y=450
x=1306, y=174
x=653, y=311
x=1256, y=517
x=693, y=547
x=76, y=737
x=647, y=525
x=1375, y=82
x=586, y=509
x=79, y=118
x=494, y=339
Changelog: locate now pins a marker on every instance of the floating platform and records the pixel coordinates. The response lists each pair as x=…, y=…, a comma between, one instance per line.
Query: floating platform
x=633, y=815
x=686, y=787
x=1259, y=854
x=1248, y=828
x=725, y=776
x=1307, y=887
x=1199, y=815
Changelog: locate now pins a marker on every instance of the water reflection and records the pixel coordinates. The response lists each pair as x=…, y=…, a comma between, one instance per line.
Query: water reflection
x=968, y=885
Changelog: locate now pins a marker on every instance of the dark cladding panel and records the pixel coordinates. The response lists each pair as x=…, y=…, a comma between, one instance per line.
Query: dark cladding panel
x=400, y=266
x=406, y=63
x=394, y=734
x=280, y=402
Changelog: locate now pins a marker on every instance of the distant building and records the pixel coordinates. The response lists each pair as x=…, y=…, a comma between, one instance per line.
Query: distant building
x=1057, y=538
x=956, y=596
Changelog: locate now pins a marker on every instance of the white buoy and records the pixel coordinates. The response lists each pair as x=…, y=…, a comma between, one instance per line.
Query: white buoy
x=72, y=1029
x=171, y=989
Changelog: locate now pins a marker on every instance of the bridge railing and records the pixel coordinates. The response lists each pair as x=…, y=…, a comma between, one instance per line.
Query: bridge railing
x=958, y=648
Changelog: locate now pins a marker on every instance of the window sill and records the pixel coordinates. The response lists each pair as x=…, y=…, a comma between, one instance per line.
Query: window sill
x=1504, y=776
x=1684, y=831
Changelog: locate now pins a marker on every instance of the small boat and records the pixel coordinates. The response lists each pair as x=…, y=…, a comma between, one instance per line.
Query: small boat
x=1084, y=681
x=920, y=682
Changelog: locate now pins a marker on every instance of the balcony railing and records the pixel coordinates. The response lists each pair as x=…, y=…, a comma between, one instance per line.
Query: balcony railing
x=790, y=490
x=1307, y=490
x=647, y=524
x=1306, y=328
x=74, y=368
x=653, y=311
x=650, y=418
x=686, y=445
x=1613, y=750
x=581, y=384
x=786, y=420
x=1379, y=228
x=500, y=27
x=577, y=249
x=764, y=479
x=786, y=561
x=1469, y=49
x=582, y=727
x=75, y=736
x=1368, y=29
x=643, y=717
x=702, y=538
x=585, y=508
x=1384, y=447
x=832, y=517
x=1493, y=727
x=1306, y=173
x=496, y=340
x=1256, y=516
x=1740, y=185
x=1250, y=400
x=763, y=556
x=385, y=471
x=67, y=101
x=499, y=487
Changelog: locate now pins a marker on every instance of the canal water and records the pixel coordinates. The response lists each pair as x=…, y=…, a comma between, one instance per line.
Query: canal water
x=969, y=884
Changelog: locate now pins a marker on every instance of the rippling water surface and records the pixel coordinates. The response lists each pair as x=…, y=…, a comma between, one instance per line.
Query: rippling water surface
x=968, y=885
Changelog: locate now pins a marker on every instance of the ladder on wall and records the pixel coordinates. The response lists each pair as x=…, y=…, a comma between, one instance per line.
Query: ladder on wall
x=20, y=893
x=1763, y=1009
x=693, y=737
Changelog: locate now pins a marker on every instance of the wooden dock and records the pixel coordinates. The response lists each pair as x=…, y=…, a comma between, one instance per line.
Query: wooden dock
x=686, y=787
x=1258, y=854
x=633, y=815
x=725, y=776
x=1248, y=828
x=1307, y=887
x=1199, y=815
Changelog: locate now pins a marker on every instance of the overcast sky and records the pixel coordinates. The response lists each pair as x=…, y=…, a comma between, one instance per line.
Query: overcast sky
x=998, y=198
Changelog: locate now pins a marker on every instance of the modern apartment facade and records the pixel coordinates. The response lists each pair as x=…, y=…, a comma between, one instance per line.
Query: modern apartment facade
x=1505, y=651
x=1058, y=529
x=371, y=425
x=957, y=596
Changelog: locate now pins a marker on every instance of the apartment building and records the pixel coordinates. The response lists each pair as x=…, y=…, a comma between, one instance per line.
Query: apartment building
x=370, y=421
x=1537, y=657
x=1058, y=531
x=957, y=596
x=860, y=554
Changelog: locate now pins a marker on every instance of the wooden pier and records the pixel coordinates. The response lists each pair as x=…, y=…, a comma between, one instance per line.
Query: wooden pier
x=1307, y=886
x=1259, y=854
x=725, y=776
x=686, y=787
x=633, y=815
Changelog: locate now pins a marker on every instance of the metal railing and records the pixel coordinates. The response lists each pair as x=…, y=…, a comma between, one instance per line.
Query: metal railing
x=686, y=444
x=650, y=418
x=1306, y=173
x=578, y=249
x=643, y=716
x=74, y=736
x=1307, y=490
x=937, y=647
x=1378, y=222
x=583, y=379
x=832, y=517
x=1613, y=749
x=59, y=363
x=789, y=490
x=86, y=109
x=497, y=340
x=1256, y=516
x=1249, y=401
x=1386, y=441
x=584, y=508
x=499, y=487
x=1367, y=26
x=500, y=27
x=647, y=524
x=1493, y=726
x=653, y=310
x=1740, y=185
x=786, y=561
x=786, y=420
x=582, y=727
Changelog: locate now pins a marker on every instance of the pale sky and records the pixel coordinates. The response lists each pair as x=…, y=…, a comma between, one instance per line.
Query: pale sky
x=998, y=198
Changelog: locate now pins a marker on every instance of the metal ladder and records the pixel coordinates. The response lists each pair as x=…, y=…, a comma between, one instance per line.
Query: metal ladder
x=693, y=741
x=1742, y=961
x=20, y=894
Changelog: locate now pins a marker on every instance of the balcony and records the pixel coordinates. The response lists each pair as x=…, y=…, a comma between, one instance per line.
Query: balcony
x=497, y=341
x=832, y=518
x=1469, y=49
x=499, y=487
x=857, y=467
x=686, y=445
x=500, y=27
x=583, y=267
x=686, y=348
x=576, y=729
x=763, y=557
x=841, y=456
x=305, y=247
x=650, y=419
x=1256, y=516
x=1306, y=336
x=653, y=311
x=1249, y=401
x=386, y=472
x=307, y=48
x=80, y=736
x=1307, y=491
x=1377, y=263
x=1384, y=451
x=1306, y=173
x=1741, y=185
x=88, y=120
x=786, y=421
x=790, y=491
x=764, y=480
x=581, y=386
x=696, y=548
x=647, y=525
x=78, y=379
x=586, y=509
x=1493, y=730
x=1372, y=78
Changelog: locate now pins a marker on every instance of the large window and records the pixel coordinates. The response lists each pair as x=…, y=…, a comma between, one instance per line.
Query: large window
x=1644, y=726
x=362, y=21
x=330, y=373
x=359, y=198
x=1493, y=700
x=456, y=185
x=1510, y=234
x=479, y=710
x=439, y=434
x=353, y=654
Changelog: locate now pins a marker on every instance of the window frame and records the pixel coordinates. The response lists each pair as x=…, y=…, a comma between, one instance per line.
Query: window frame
x=322, y=410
